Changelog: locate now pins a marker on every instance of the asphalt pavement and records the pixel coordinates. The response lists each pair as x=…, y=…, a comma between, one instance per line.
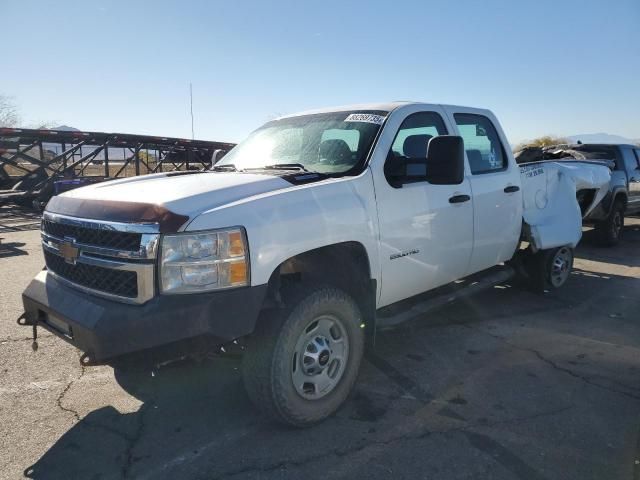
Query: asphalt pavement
x=504, y=385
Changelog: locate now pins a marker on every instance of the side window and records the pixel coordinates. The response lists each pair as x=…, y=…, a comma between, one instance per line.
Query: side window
x=412, y=139
x=630, y=160
x=637, y=150
x=481, y=142
x=415, y=132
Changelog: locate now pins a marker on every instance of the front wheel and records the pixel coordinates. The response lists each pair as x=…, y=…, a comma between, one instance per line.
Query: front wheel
x=549, y=269
x=302, y=361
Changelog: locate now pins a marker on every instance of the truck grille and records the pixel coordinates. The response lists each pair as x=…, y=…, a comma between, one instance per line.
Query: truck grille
x=110, y=259
x=115, y=282
x=92, y=236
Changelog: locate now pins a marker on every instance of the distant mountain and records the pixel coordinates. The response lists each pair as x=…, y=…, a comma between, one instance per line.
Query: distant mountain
x=66, y=128
x=601, y=138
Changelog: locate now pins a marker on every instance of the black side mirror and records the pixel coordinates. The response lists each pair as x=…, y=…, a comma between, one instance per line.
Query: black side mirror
x=443, y=164
x=445, y=160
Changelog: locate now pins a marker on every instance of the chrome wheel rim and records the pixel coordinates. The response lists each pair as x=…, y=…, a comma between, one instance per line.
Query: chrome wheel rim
x=561, y=266
x=320, y=357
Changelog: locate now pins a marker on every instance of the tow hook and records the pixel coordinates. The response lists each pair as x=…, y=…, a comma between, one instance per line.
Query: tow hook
x=87, y=361
x=24, y=322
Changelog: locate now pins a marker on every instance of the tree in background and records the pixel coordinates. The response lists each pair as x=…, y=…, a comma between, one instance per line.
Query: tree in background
x=10, y=118
x=8, y=112
x=545, y=141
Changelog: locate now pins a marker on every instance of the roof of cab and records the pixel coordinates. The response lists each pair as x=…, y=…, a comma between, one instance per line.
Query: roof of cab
x=380, y=106
x=385, y=107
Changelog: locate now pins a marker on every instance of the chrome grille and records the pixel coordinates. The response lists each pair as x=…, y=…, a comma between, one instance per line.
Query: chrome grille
x=115, y=282
x=109, y=259
x=93, y=236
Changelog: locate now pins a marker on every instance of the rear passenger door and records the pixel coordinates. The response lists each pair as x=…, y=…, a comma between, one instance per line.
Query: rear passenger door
x=495, y=187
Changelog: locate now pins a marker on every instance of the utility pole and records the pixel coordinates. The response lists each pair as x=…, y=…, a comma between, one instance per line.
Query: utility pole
x=191, y=102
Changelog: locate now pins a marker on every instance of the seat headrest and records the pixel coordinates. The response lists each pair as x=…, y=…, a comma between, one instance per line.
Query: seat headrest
x=335, y=150
x=415, y=146
x=476, y=163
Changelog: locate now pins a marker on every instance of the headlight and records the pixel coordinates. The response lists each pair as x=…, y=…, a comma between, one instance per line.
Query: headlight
x=203, y=261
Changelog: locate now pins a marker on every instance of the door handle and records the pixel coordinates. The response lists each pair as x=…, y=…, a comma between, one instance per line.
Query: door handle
x=511, y=189
x=459, y=198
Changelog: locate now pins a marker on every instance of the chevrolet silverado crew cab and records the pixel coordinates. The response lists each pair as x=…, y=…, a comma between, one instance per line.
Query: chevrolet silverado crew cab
x=301, y=240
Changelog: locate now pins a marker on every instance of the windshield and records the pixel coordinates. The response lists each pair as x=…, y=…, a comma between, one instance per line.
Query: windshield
x=331, y=143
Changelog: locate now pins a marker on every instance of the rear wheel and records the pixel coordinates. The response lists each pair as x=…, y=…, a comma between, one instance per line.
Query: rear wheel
x=549, y=269
x=609, y=231
x=303, y=360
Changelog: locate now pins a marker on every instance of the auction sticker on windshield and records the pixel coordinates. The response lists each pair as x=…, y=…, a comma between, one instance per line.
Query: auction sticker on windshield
x=365, y=117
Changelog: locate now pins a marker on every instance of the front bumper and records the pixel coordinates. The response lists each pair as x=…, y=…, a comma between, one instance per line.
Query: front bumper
x=104, y=329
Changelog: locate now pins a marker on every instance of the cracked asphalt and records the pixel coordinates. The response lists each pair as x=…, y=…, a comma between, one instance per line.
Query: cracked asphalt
x=505, y=385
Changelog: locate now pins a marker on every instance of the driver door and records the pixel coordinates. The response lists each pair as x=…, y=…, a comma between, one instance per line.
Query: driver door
x=426, y=230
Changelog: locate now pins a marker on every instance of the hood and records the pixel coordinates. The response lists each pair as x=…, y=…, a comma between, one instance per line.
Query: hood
x=183, y=195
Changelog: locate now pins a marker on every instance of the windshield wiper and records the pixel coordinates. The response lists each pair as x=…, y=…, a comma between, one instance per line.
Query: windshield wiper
x=228, y=167
x=285, y=166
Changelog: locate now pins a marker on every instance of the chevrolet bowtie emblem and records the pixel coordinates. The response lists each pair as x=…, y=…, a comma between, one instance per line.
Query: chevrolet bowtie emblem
x=69, y=251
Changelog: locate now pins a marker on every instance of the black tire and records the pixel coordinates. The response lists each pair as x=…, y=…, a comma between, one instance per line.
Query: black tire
x=269, y=358
x=609, y=231
x=549, y=269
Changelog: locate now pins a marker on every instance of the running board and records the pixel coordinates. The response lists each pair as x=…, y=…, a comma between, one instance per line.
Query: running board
x=411, y=308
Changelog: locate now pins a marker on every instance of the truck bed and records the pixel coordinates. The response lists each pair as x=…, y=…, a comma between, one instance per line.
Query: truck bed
x=552, y=213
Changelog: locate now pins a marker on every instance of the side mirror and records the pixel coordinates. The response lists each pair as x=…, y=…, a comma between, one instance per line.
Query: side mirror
x=445, y=160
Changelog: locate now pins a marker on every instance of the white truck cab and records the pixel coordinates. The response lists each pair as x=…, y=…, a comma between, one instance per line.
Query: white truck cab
x=298, y=238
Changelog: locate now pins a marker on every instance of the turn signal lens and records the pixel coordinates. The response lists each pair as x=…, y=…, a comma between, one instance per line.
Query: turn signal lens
x=238, y=273
x=236, y=244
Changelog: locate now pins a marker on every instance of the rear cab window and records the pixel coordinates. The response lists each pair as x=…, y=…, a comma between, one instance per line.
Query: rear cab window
x=601, y=152
x=482, y=144
x=350, y=137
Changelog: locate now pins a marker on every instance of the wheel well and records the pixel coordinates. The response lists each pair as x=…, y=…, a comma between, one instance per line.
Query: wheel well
x=621, y=197
x=585, y=198
x=606, y=206
x=342, y=265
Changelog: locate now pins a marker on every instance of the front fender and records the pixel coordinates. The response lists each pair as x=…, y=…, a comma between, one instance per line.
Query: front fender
x=288, y=222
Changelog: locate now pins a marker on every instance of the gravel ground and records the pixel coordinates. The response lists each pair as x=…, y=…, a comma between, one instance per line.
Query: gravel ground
x=504, y=385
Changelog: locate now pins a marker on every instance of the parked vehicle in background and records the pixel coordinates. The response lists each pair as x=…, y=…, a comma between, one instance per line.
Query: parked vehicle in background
x=303, y=239
x=623, y=197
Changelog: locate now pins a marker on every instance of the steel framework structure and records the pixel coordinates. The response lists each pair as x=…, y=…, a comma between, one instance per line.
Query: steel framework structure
x=32, y=160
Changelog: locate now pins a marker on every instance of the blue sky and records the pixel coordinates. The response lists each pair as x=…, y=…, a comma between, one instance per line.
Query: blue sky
x=544, y=67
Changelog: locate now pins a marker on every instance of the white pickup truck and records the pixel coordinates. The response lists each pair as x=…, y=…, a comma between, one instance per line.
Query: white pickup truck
x=303, y=239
